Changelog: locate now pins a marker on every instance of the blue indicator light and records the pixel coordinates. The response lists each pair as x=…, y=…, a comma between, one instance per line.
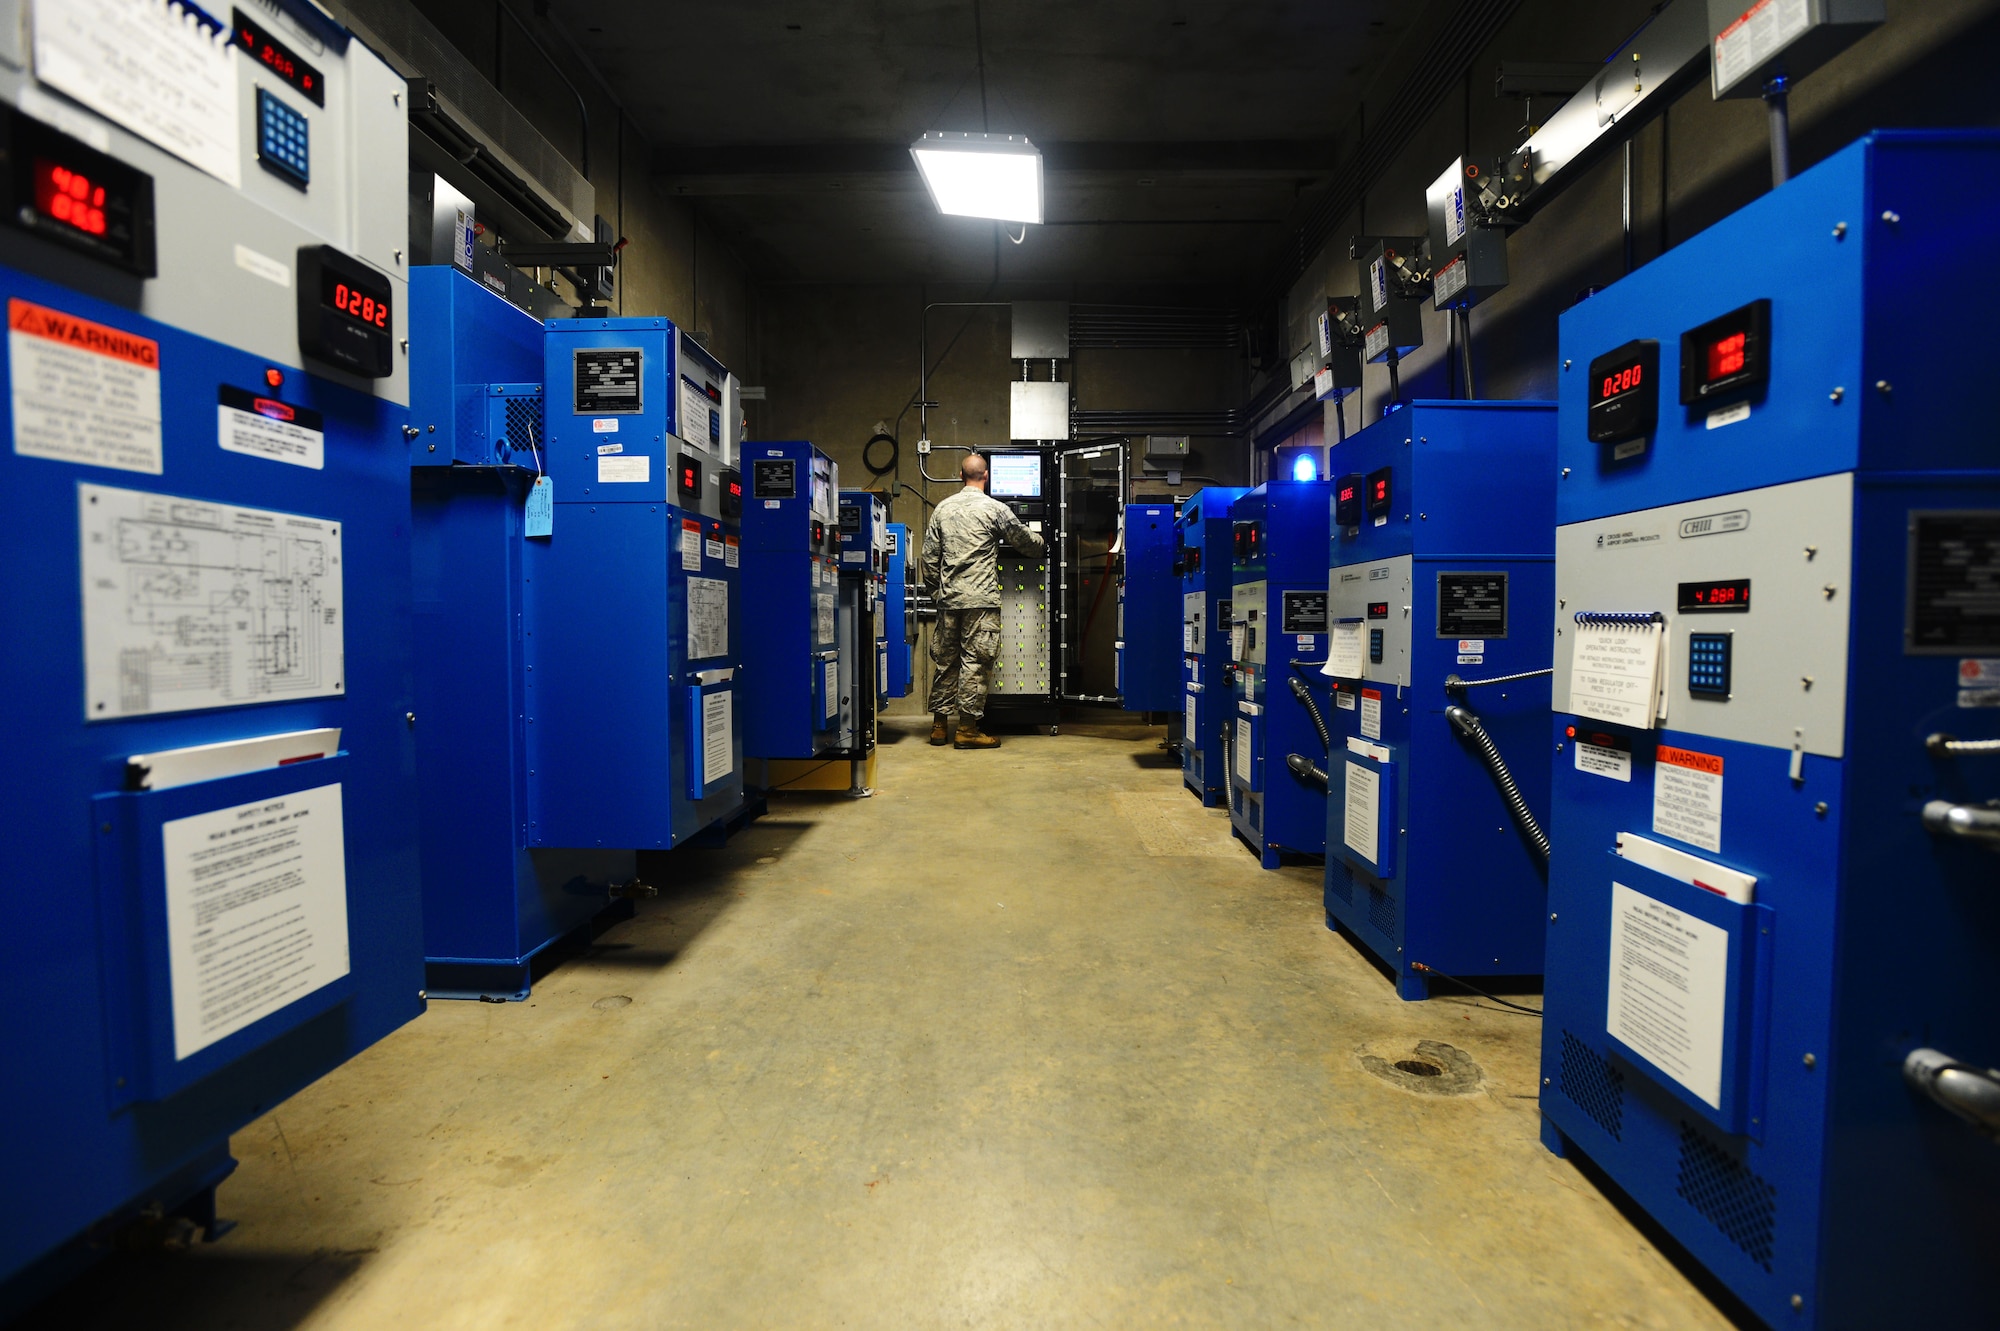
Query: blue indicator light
x=1304, y=468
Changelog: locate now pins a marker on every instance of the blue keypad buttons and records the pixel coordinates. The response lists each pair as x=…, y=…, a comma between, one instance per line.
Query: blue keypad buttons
x=282, y=145
x=1708, y=665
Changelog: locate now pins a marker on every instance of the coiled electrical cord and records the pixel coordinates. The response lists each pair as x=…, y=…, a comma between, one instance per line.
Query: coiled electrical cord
x=1465, y=723
x=895, y=454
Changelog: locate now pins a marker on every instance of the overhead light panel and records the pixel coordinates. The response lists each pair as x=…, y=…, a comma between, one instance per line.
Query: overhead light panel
x=981, y=175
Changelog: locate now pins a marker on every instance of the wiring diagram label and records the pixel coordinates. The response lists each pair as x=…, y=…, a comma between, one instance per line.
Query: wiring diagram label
x=193, y=604
x=1669, y=982
x=708, y=618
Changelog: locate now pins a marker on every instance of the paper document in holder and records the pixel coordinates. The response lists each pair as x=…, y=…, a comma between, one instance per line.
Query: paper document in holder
x=1344, y=654
x=207, y=762
x=1618, y=671
x=1690, y=869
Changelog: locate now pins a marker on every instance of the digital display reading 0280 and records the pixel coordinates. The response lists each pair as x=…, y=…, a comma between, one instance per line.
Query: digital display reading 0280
x=364, y=307
x=1624, y=393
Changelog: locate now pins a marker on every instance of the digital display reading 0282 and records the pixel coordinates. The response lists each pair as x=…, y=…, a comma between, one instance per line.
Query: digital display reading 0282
x=364, y=307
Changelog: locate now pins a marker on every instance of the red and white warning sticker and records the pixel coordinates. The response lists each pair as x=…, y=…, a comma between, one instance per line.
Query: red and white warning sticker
x=1979, y=682
x=83, y=392
x=1687, y=797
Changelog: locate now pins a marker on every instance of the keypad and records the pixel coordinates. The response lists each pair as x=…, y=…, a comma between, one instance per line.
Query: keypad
x=1375, y=646
x=1708, y=665
x=283, y=147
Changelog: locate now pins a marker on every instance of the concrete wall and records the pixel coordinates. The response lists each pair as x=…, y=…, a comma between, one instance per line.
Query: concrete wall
x=675, y=263
x=1929, y=65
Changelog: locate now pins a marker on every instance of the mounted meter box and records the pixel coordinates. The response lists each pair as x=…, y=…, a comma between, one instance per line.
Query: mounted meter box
x=899, y=626
x=1772, y=934
x=1341, y=339
x=1753, y=42
x=210, y=800
x=482, y=522
x=1392, y=302
x=791, y=572
x=1438, y=603
x=1469, y=261
x=1149, y=612
x=1206, y=559
x=634, y=729
x=860, y=619
x=1277, y=642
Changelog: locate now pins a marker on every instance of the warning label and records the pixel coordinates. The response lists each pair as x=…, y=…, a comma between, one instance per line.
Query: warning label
x=1687, y=797
x=83, y=392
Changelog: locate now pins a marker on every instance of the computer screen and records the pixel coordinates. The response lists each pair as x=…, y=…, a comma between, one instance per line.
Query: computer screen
x=1015, y=476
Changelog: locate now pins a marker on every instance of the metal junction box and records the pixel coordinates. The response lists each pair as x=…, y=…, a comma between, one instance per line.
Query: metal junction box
x=209, y=803
x=634, y=736
x=1469, y=261
x=1206, y=559
x=1772, y=926
x=1277, y=633
x=1149, y=611
x=1442, y=578
x=791, y=573
x=1755, y=41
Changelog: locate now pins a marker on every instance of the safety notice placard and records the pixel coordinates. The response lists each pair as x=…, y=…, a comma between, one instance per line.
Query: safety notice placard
x=83, y=392
x=1687, y=797
x=1669, y=986
x=1363, y=812
x=256, y=911
x=718, y=748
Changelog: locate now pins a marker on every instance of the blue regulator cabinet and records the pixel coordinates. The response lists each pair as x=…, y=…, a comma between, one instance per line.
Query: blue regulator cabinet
x=634, y=733
x=900, y=629
x=1773, y=926
x=791, y=573
x=1149, y=612
x=478, y=489
x=1277, y=641
x=1440, y=590
x=1207, y=564
x=209, y=799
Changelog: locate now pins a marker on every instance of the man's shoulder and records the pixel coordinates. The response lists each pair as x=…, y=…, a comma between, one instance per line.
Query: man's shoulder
x=969, y=502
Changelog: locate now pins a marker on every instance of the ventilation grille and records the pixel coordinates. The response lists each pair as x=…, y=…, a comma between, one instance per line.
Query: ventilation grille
x=1736, y=1200
x=523, y=424
x=1382, y=911
x=1341, y=882
x=1593, y=1085
x=1256, y=813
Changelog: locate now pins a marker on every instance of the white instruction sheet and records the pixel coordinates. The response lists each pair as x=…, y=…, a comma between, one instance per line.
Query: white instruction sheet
x=256, y=911
x=1669, y=985
x=165, y=71
x=1244, y=749
x=1363, y=812
x=194, y=604
x=1344, y=653
x=718, y=740
x=708, y=618
x=83, y=392
x=1615, y=672
x=832, y=689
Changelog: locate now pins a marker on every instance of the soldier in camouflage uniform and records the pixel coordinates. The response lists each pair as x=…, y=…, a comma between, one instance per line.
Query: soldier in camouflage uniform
x=961, y=566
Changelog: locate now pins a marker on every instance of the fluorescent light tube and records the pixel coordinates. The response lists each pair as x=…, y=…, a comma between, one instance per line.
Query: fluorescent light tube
x=981, y=175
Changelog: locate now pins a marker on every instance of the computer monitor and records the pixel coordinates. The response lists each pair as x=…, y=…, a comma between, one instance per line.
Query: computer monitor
x=1014, y=475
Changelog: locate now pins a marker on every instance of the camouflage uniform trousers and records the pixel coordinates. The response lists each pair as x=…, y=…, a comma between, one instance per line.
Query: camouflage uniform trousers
x=964, y=645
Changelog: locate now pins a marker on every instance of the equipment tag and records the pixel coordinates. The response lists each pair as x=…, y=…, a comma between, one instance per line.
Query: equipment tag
x=541, y=518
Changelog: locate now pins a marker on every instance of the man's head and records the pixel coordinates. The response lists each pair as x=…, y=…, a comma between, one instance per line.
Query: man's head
x=973, y=470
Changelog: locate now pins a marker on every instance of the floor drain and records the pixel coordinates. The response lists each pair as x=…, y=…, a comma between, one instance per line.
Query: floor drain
x=1432, y=1068
x=614, y=1001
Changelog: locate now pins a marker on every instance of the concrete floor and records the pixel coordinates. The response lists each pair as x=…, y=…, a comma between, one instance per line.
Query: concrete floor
x=1025, y=1040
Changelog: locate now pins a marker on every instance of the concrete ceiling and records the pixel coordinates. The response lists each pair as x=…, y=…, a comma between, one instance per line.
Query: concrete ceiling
x=1178, y=135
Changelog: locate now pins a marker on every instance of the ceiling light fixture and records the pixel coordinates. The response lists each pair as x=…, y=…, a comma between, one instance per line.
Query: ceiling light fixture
x=981, y=175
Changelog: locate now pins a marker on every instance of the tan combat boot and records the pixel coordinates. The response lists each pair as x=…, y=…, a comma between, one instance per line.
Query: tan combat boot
x=970, y=736
x=938, y=722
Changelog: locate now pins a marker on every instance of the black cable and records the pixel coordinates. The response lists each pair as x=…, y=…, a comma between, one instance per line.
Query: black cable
x=895, y=453
x=1305, y=769
x=1304, y=695
x=1419, y=967
x=1467, y=724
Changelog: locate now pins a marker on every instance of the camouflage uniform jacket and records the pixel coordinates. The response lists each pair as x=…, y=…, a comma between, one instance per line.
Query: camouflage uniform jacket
x=961, y=560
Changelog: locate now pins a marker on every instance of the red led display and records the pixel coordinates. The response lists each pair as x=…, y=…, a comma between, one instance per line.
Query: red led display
x=1720, y=594
x=1347, y=494
x=275, y=56
x=1381, y=490
x=69, y=196
x=1624, y=381
x=357, y=304
x=1726, y=356
x=735, y=490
